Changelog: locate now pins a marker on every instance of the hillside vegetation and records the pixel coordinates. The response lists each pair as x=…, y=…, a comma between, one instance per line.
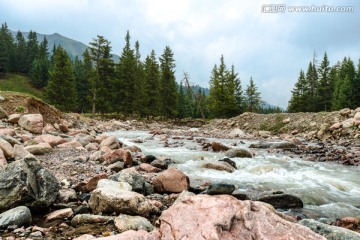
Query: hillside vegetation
x=19, y=83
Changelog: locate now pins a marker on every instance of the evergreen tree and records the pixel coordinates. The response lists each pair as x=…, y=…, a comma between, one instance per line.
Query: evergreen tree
x=139, y=85
x=32, y=49
x=61, y=88
x=299, y=99
x=20, y=53
x=252, y=96
x=6, y=49
x=101, y=79
x=181, y=102
x=39, y=71
x=152, y=86
x=325, y=85
x=189, y=105
x=311, y=78
x=225, y=99
x=168, y=86
x=82, y=71
x=126, y=79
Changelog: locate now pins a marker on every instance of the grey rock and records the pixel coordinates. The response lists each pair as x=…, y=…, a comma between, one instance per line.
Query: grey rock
x=89, y=219
x=279, y=145
x=136, y=181
x=26, y=182
x=125, y=222
x=19, y=216
x=110, y=184
x=284, y=201
x=330, y=232
x=238, y=153
x=220, y=166
x=229, y=161
x=219, y=188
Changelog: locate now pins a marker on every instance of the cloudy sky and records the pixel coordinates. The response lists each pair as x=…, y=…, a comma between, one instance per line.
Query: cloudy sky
x=270, y=47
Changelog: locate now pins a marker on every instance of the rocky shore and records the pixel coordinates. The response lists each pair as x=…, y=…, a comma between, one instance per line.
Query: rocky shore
x=61, y=177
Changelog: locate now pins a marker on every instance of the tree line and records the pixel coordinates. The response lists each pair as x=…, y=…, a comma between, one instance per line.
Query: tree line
x=326, y=88
x=133, y=87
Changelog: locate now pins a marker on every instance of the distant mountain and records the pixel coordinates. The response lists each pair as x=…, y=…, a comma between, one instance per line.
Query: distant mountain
x=73, y=47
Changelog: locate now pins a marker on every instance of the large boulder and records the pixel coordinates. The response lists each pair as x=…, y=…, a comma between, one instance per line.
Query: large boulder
x=32, y=122
x=19, y=216
x=330, y=232
x=26, y=182
x=111, y=200
x=225, y=217
x=171, y=180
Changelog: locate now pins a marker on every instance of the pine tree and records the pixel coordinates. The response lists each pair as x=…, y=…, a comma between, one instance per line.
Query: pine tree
x=189, y=105
x=61, y=88
x=152, y=86
x=325, y=85
x=168, y=86
x=299, y=99
x=311, y=78
x=139, y=85
x=102, y=78
x=20, y=53
x=252, y=96
x=82, y=71
x=181, y=102
x=32, y=49
x=39, y=71
x=6, y=49
x=126, y=79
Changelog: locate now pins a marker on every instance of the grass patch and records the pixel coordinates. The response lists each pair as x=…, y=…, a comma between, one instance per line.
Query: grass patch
x=19, y=83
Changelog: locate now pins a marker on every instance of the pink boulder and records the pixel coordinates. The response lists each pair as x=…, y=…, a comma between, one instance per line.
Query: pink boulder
x=32, y=122
x=171, y=180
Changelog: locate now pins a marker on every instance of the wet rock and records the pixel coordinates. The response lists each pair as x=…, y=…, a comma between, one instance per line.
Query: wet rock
x=120, y=186
x=229, y=161
x=161, y=164
x=171, y=180
x=26, y=182
x=330, y=232
x=125, y=222
x=227, y=218
x=89, y=219
x=149, y=158
x=111, y=142
x=39, y=149
x=7, y=148
x=217, y=147
x=14, y=118
x=350, y=223
x=110, y=200
x=51, y=139
x=32, y=122
x=18, y=216
x=220, y=166
x=238, y=153
x=219, y=188
x=284, y=201
x=91, y=184
x=59, y=214
x=136, y=181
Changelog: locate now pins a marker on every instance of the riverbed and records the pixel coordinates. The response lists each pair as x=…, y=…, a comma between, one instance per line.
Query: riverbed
x=328, y=190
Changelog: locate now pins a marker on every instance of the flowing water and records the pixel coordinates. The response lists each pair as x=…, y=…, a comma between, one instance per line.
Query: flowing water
x=327, y=189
